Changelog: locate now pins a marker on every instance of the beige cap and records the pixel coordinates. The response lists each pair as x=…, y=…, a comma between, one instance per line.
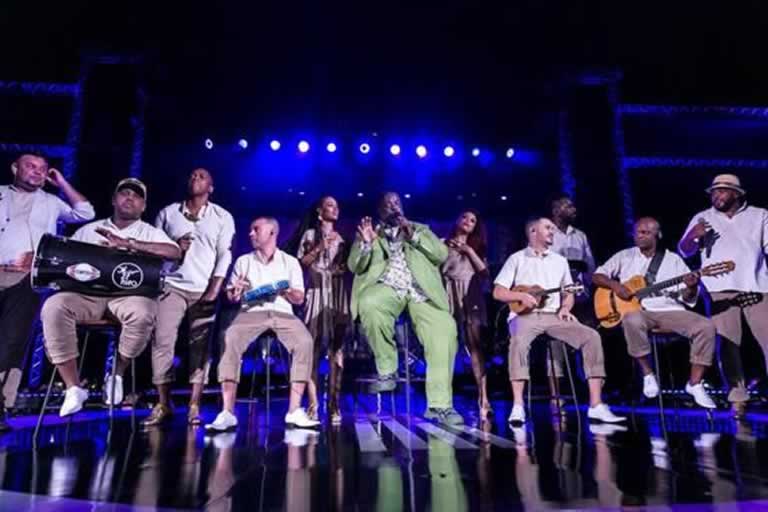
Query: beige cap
x=730, y=181
x=133, y=184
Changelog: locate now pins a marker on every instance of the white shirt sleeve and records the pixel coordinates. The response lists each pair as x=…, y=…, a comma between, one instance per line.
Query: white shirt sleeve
x=765, y=231
x=612, y=267
x=79, y=212
x=508, y=273
x=295, y=275
x=224, y=247
x=82, y=234
x=160, y=220
x=566, y=270
x=693, y=222
x=590, y=259
x=155, y=235
x=239, y=272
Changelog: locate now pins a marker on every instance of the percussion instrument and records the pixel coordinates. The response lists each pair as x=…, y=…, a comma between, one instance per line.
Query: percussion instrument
x=68, y=265
x=262, y=293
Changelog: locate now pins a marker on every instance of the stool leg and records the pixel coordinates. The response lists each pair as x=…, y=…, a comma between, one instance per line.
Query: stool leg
x=570, y=380
x=555, y=382
x=269, y=354
x=133, y=392
x=45, y=404
x=656, y=364
x=114, y=375
x=82, y=356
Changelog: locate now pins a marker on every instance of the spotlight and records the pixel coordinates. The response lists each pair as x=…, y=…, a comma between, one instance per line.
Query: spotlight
x=365, y=148
x=476, y=152
x=407, y=196
x=243, y=143
x=331, y=147
x=421, y=151
x=208, y=144
x=274, y=145
x=303, y=146
x=359, y=194
x=449, y=151
x=394, y=149
x=503, y=198
x=510, y=152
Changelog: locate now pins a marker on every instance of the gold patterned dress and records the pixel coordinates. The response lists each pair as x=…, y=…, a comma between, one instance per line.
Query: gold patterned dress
x=466, y=289
x=327, y=293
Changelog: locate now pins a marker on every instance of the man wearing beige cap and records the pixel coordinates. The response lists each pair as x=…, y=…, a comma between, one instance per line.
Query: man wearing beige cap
x=733, y=230
x=62, y=311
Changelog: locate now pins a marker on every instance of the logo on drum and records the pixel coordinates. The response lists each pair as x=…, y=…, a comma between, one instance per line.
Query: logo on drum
x=83, y=272
x=127, y=276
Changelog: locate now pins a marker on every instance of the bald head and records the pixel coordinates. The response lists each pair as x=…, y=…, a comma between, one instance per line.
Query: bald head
x=647, y=233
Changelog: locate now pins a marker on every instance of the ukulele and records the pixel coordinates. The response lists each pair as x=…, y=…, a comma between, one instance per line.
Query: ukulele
x=541, y=295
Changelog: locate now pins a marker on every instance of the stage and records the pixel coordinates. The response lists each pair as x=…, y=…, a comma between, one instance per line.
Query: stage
x=384, y=461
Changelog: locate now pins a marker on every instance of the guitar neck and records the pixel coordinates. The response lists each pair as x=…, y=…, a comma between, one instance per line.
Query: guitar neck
x=657, y=287
x=542, y=293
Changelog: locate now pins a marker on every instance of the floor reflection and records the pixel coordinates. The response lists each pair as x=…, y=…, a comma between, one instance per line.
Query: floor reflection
x=391, y=462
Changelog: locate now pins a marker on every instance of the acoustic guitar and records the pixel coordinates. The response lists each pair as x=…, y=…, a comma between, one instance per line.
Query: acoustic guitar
x=541, y=295
x=610, y=309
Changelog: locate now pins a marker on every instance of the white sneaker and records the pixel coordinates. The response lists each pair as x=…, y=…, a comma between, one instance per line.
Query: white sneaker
x=650, y=386
x=74, y=398
x=118, y=398
x=700, y=395
x=224, y=422
x=517, y=415
x=606, y=429
x=299, y=418
x=601, y=412
x=299, y=436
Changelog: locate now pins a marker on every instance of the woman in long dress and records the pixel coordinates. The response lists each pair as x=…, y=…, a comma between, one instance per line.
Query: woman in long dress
x=465, y=273
x=322, y=253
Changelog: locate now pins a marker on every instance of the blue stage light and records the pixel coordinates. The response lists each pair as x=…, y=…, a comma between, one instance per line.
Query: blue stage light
x=476, y=152
x=274, y=145
x=303, y=146
x=208, y=144
x=365, y=148
x=510, y=152
x=421, y=151
x=394, y=149
x=449, y=151
x=243, y=143
x=331, y=147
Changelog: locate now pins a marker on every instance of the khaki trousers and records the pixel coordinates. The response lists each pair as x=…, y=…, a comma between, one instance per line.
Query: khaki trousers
x=172, y=306
x=63, y=311
x=526, y=328
x=700, y=330
x=246, y=327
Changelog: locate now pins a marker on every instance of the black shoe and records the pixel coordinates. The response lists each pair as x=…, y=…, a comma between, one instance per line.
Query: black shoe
x=447, y=416
x=383, y=383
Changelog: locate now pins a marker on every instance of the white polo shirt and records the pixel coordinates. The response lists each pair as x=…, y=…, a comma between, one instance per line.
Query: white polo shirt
x=139, y=230
x=743, y=239
x=573, y=245
x=282, y=267
x=209, y=254
x=526, y=267
x=632, y=262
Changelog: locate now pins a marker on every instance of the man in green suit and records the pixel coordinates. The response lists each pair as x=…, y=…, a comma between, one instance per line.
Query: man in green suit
x=396, y=265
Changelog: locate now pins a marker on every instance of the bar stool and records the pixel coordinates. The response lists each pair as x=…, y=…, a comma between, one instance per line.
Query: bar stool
x=109, y=326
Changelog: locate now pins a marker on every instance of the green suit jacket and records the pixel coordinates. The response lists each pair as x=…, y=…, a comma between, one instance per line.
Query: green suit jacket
x=424, y=257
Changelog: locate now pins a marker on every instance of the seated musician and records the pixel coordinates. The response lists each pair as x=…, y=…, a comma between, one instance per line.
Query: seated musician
x=26, y=214
x=264, y=266
x=538, y=265
x=665, y=312
x=62, y=311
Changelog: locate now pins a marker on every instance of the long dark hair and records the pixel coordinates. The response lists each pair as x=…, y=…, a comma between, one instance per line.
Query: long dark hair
x=310, y=220
x=478, y=238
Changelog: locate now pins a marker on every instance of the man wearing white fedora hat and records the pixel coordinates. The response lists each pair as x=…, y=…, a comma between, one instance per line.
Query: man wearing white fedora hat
x=733, y=230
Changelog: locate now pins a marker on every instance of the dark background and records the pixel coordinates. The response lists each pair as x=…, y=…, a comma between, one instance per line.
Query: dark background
x=466, y=73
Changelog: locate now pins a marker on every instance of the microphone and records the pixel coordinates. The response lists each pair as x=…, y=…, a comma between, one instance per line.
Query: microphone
x=707, y=240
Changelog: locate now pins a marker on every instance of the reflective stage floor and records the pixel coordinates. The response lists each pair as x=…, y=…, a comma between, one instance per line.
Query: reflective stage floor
x=384, y=461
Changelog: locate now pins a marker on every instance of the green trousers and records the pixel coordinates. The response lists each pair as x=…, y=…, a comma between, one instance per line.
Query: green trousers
x=379, y=307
